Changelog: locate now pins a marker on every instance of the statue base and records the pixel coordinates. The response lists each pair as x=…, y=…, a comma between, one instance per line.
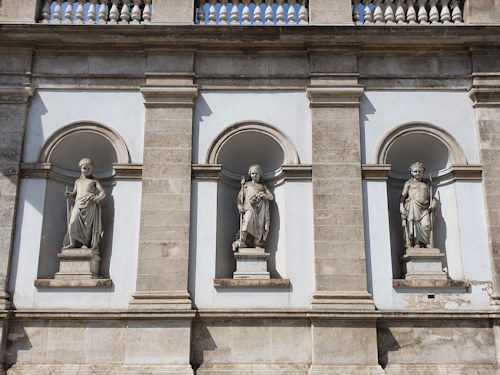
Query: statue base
x=423, y=263
x=79, y=263
x=251, y=263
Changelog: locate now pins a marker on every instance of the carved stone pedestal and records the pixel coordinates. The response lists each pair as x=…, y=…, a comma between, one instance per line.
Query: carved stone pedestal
x=78, y=264
x=251, y=263
x=424, y=263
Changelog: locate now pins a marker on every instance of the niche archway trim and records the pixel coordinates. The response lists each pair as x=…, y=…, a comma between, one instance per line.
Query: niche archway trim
x=113, y=137
x=456, y=153
x=289, y=150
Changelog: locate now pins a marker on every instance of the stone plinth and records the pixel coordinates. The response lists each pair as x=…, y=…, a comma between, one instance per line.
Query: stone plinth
x=78, y=264
x=424, y=263
x=251, y=263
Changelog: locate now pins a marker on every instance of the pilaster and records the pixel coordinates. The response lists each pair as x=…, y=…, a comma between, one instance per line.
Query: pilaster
x=482, y=12
x=14, y=102
x=340, y=263
x=485, y=94
x=162, y=276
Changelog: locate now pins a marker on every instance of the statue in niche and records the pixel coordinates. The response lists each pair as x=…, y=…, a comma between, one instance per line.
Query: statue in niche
x=253, y=205
x=417, y=208
x=84, y=218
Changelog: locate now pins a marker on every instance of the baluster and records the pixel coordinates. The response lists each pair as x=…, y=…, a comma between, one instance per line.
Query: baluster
x=389, y=12
x=46, y=11
x=91, y=14
x=235, y=13
x=136, y=12
x=433, y=13
x=212, y=13
x=292, y=15
x=400, y=12
x=378, y=15
x=146, y=13
x=280, y=13
x=303, y=13
x=125, y=13
x=445, y=14
x=411, y=14
x=223, y=17
x=58, y=13
x=245, y=15
x=201, y=12
x=356, y=15
x=367, y=14
x=68, y=14
x=114, y=15
x=257, y=13
x=269, y=12
x=80, y=12
x=456, y=14
x=422, y=12
x=103, y=12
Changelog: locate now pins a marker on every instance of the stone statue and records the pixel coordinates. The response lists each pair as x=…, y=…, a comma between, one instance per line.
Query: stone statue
x=84, y=218
x=417, y=208
x=253, y=205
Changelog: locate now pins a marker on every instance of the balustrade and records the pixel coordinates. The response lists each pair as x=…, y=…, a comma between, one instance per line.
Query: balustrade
x=407, y=12
x=249, y=12
x=96, y=11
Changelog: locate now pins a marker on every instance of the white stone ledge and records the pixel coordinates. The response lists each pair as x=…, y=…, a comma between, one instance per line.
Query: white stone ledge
x=427, y=285
x=73, y=283
x=252, y=283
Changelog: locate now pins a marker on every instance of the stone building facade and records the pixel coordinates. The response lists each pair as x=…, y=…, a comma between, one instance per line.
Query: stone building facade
x=173, y=100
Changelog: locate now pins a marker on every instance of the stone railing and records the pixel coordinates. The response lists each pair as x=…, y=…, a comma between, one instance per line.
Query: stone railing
x=407, y=12
x=252, y=12
x=96, y=11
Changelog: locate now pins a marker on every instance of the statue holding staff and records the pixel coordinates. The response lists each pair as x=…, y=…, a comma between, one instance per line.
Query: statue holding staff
x=253, y=205
x=417, y=208
x=84, y=219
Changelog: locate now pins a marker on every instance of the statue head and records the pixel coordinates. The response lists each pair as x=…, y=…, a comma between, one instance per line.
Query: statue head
x=255, y=172
x=417, y=170
x=86, y=166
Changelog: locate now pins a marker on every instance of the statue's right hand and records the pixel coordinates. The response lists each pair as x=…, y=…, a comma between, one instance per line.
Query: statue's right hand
x=69, y=194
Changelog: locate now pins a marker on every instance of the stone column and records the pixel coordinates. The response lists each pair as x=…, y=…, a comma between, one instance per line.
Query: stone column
x=178, y=12
x=18, y=10
x=485, y=93
x=330, y=12
x=162, y=276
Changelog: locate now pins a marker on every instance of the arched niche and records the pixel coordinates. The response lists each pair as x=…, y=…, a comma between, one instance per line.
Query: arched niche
x=63, y=150
x=236, y=148
x=439, y=152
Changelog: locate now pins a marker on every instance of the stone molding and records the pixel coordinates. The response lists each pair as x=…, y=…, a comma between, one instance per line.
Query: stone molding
x=162, y=300
x=109, y=134
x=169, y=96
x=484, y=95
x=73, y=283
x=425, y=285
x=457, y=172
x=287, y=172
x=127, y=171
x=252, y=283
x=335, y=96
x=349, y=300
x=16, y=94
x=291, y=155
x=456, y=153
